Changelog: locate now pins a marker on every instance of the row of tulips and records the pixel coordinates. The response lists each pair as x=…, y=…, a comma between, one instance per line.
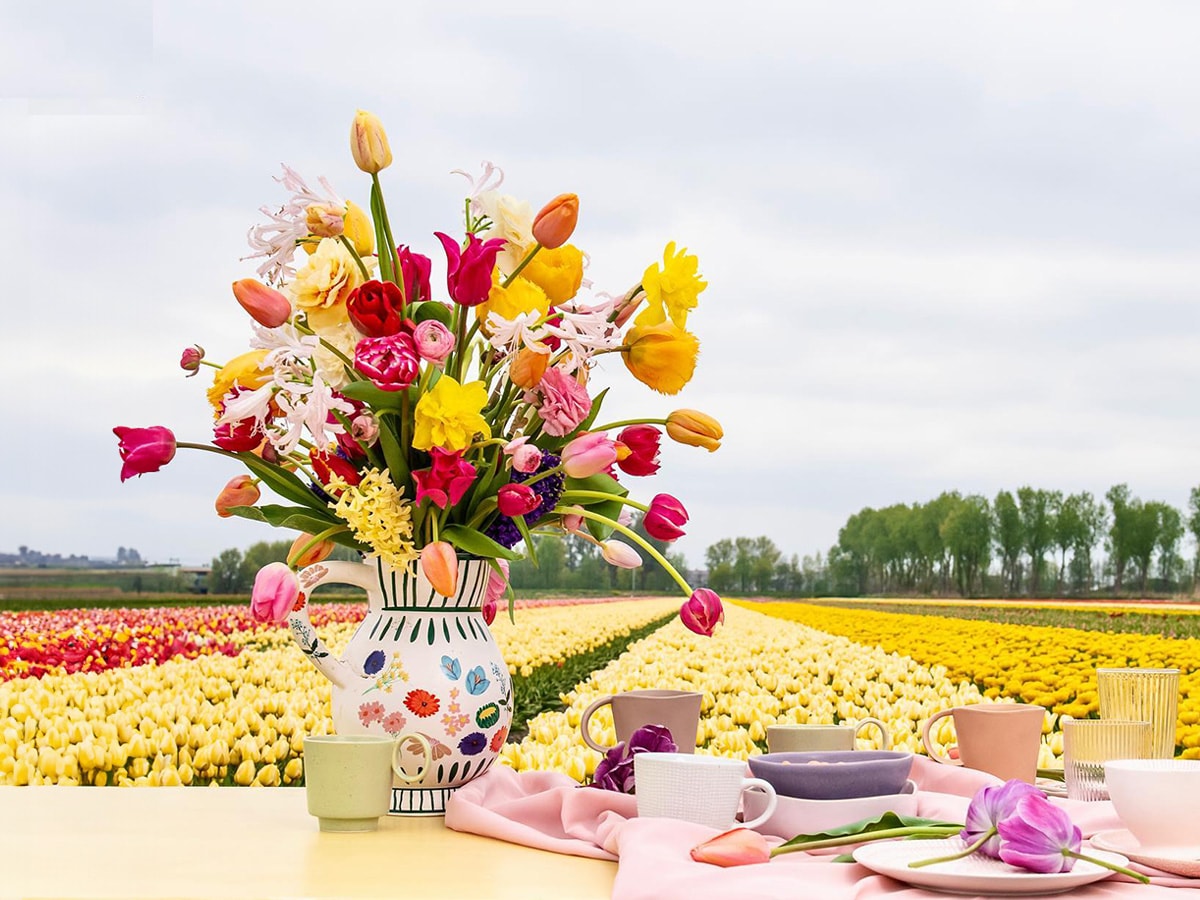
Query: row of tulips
x=754, y=672
x=240, y=717
x=1052, y=667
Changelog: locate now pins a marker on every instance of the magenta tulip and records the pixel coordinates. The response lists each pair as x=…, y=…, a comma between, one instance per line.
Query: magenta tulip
x=988, y=807
x=588, y=454
x=665, y=519
x=469, y=271
x=276, y=590
x=1039, y=836
x=414, y=270
x=641, y=442
x=446, y=479
x=517, y=500
x=703, y=612
x=144, y=449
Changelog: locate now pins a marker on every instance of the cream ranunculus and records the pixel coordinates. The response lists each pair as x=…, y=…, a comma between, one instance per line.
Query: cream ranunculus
x=343, y=336
x=323, y=285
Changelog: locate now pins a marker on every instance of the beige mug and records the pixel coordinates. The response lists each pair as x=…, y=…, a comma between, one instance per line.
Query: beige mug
x=1000, y=738
x=803, y=738
x=678, y=711
x=348, y=777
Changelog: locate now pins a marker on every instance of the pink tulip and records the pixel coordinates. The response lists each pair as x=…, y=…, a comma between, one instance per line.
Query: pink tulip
x=189, y=361
x=469, y=271
x=703, y=612
x=144, y=449
x=439, y=562
x=572, y=522
x=276, y=591
x=241, y=490
x=665, y=519
x=619, y=554
x=738, y=847
x=434, y=341
x=517, y=499
x=264, y=304
x=496, y=587
x=588, y=454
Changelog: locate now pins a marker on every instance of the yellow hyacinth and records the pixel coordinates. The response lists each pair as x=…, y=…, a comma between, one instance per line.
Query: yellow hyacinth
x=672, y=291
x=661, y=356
x=448, y=416
x=379, y=515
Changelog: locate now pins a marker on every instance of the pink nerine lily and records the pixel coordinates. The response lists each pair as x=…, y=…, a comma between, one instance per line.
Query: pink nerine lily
x=469, y=271
x=737, y=847
x=703, y=612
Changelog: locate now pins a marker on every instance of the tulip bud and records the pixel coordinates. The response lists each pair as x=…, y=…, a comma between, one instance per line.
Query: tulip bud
x=304, y=552
x=517, y=499
x=527, y=368
x=241, y=490
x=369, y=143
x=619, y=554
x=276, y=590
x=190, y=360
x=554, y=224
x=688, y=426
x=325, y=220
x=572, y=522
x=703, y=612
x=588, y=454
x=738, y=847
x=264, y=304
x=439, y=562
x=359, y=229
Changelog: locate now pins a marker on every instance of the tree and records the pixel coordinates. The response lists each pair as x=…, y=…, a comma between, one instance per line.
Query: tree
x=1170, y=530
x=1092, y=517
x=1140, y=534
x=967, y=535
x=720, y=558
x=1119, y=533
x=225, y=577
x=1010, y=540
x=1193, y=524
x=762, y=568
x=1037, y=529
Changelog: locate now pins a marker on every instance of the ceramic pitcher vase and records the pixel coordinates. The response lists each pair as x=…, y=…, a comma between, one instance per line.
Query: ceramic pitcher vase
x=419, y=662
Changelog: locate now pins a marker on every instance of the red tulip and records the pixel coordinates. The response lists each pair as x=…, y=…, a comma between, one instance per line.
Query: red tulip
x=665, y=519
x=144, y=449
x=238, y=436
x=738, y=847
x=325, y=465
x=703, y=612
x=265, y=304
x=517, y=499
x=439, y=562
x=374, y=308
x=469, y=271
x=642, y=443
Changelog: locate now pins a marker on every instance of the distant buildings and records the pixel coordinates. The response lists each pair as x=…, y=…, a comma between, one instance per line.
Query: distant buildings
x=25, y=558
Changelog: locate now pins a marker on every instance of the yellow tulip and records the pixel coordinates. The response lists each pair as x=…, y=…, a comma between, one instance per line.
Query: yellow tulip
x=243, y=371
x=369, y=143
x=694, y=428
x=662, y=357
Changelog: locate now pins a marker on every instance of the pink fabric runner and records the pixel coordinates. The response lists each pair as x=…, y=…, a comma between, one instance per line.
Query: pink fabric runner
x=550, y=811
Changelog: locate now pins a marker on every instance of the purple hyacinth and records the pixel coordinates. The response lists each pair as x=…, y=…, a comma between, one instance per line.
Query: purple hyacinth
x=549, y=489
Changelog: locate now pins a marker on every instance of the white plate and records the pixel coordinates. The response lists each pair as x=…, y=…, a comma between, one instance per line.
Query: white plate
x=1051, y=787
x=1168, y=859
x=975, y=874
x=794, y=815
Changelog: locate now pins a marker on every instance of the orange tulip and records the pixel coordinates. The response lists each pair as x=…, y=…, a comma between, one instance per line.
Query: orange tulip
x=694, y=428
x=240, y=490
x=527, y=368
x=439, y=562
x=739, y=847
x=555, y=223
x=302, y=554
x=265, y=304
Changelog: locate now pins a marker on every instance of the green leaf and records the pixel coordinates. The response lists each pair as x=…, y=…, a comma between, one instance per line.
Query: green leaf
x=393, y=454
x=863, y=828
x=523, y=527
x=282, y=482
x=295, y=517
x=601, y=481
x=474, y=542
x=373, y=396
x=591, y=417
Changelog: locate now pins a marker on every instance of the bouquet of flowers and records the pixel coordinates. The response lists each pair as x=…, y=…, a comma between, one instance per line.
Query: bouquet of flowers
x=414, y=428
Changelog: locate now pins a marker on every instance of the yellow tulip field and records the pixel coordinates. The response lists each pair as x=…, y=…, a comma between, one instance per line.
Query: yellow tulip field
x=233, y=705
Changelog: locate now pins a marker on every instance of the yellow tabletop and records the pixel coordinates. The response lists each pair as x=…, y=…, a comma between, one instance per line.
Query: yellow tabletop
x=257, y=842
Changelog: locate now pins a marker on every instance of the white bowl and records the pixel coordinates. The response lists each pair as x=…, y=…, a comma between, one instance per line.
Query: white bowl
x=794, y=815
x=1157, y=800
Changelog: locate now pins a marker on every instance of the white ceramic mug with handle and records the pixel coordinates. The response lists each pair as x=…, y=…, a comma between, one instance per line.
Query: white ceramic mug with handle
x=702, y=789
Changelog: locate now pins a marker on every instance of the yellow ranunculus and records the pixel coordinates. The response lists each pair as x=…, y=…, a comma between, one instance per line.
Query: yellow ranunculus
x=662, y=356
x=243, y=371
x=448, y=416
x=521, y=296
x=324, y=283
x=671, y=291
x=557, y=272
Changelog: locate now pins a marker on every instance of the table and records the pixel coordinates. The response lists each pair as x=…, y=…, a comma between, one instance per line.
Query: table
x=257, y=842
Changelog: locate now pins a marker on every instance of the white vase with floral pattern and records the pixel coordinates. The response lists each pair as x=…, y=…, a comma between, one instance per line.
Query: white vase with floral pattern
x=419, y=662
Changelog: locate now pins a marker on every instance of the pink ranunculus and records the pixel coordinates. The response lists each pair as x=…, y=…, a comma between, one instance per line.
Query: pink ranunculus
x=276, y=589
x=434, y=341
x=364, y=428
x=391, y=362
x=642, y=442
x=565, y=402
x=665, y=519
x=469, y=271
x=446, y=479
x=414, y=270
x=703, y=612
x=189, y=361
x=619, y=554
x=526, y=458
x=588, y=454
x=517, y=499
x=144, y=449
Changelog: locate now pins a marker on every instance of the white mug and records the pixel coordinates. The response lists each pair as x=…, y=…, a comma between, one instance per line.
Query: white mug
x=705, y=790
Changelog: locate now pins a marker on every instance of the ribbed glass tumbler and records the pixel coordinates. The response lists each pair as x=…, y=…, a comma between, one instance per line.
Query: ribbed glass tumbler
x=1089, y=743
x=1150, y=695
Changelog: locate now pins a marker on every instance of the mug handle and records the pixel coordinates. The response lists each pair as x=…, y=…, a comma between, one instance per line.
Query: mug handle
x=772, y=800
x=401, y=740
x=870, y=720
x=586, y=717
x=929, y=744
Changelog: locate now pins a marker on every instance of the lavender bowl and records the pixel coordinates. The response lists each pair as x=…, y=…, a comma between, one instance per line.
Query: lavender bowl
x=834, y=774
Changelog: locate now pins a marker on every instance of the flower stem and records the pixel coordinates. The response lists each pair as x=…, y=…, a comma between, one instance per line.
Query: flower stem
x=929, y=831
x=327, y=533
x=358, y=259
x=517, y=271
x=1137, y=876
x=567, y=496
x=608, y=426
x=983, y=839
x=632, y=535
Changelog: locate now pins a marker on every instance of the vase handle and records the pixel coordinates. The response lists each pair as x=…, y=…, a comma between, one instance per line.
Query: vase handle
x=334, y=572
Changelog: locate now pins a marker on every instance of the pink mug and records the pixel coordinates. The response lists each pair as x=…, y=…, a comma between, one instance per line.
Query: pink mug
x=1000, y=738
x=679, y=711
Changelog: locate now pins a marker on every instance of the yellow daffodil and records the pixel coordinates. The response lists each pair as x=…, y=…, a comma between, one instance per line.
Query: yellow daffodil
x=448, y=415
x=672, y=291
x=661, y=356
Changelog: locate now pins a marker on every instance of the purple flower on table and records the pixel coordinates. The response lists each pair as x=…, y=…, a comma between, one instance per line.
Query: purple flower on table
x=615, y=771
x=988, y=807
x=1039, y=836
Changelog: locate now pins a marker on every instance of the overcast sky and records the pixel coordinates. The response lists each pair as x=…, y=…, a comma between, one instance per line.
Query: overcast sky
x=948, y=246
